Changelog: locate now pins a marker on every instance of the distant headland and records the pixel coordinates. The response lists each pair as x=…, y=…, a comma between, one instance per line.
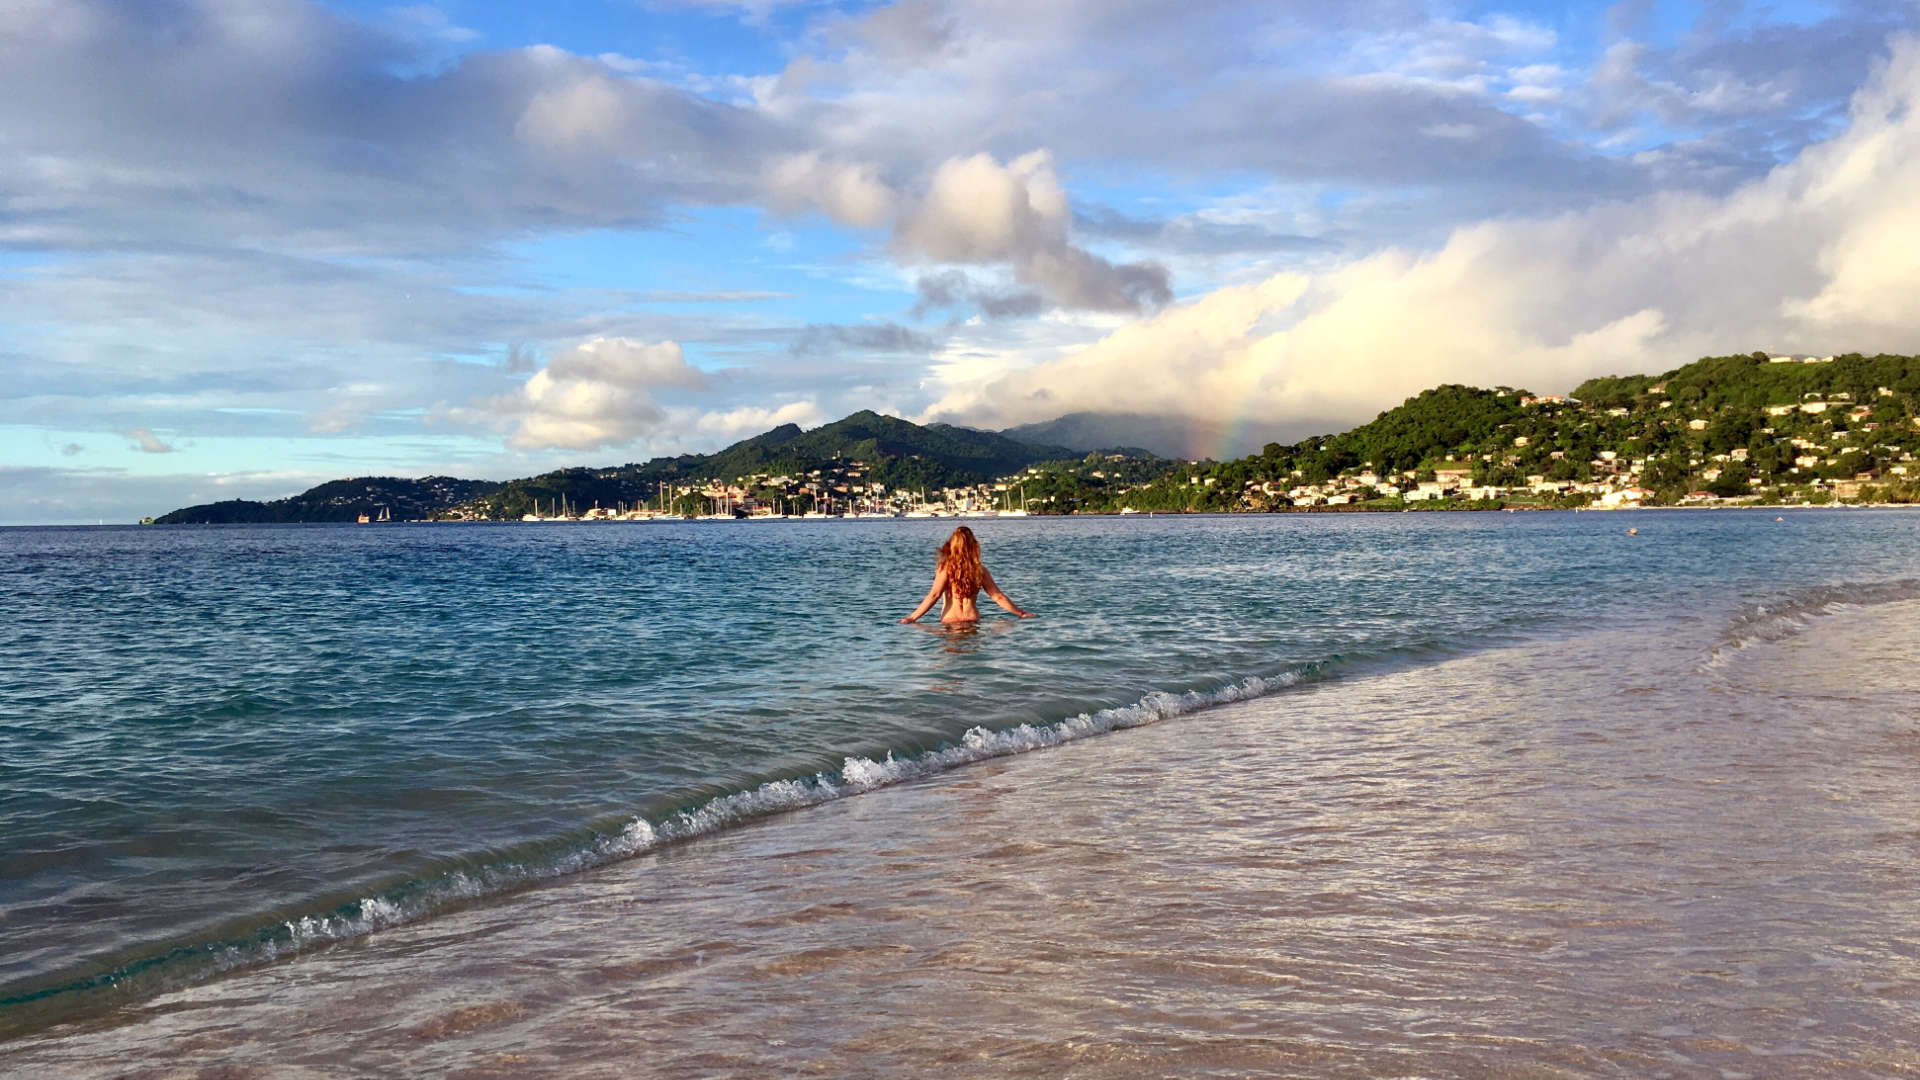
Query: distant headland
x=1748, y=429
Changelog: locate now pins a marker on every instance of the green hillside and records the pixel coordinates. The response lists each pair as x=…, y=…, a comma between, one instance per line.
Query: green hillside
x=341, y=500
x=1740, y=427
x=1721, y=428
x=894, y=452
x=1752, y=381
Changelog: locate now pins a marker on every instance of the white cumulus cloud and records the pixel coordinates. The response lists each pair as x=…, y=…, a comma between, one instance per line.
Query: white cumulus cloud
x=978, y=211
x=974, y=211
x=594, y=395
x=849, y=192
x=721, y=427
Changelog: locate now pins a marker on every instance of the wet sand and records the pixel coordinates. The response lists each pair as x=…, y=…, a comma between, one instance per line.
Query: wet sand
x=1685, y=855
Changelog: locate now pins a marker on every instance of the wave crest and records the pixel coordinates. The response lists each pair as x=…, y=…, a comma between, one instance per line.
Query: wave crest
x=1787, y=616
x=417, y=899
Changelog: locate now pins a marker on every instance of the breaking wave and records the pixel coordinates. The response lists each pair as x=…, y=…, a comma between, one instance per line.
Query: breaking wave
x=419, y=898
x=1792, y=613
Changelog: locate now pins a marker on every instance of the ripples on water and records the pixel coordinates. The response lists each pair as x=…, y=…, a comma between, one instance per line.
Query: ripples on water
x=220, y=739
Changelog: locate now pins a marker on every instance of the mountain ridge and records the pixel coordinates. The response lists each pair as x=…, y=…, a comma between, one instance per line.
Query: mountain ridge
x=896, y=452
x=1728, y=425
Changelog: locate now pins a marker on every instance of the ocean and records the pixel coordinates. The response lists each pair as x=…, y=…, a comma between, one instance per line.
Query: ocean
x=1431, y=793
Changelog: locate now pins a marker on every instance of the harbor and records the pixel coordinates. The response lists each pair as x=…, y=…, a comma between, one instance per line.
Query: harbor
x=780, y=498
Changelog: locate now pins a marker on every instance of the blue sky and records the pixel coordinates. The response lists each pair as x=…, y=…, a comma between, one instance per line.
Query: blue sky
x=250, y=245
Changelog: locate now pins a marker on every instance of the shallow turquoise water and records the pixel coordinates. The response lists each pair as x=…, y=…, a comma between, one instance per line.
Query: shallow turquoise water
x=219, y=745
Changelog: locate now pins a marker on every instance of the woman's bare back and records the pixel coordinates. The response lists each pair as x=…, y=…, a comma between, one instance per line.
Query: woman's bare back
x=960, y=604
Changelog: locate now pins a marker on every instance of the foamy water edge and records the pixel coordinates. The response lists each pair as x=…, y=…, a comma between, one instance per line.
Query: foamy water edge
x=416, y=900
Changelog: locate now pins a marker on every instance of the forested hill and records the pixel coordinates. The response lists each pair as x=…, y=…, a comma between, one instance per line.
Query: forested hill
x=1742, y=426
x=1464, y=422
x=1422, y=428
x=1746, y=427
x=1755, y=380
x=899, y=452
x=894, y=452
x=342, y=500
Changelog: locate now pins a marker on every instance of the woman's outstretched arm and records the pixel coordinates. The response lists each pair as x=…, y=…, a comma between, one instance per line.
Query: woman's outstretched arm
x=1001, y=598
x=939, y=583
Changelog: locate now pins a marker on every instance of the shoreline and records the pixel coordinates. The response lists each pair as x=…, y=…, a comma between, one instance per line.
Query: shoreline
x=1290, y=884
x=1102, y=515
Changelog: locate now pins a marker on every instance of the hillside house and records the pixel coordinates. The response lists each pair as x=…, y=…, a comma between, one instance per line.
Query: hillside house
x=1625, y=497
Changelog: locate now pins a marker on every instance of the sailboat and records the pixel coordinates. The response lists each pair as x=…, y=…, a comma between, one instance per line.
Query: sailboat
x=872, y=511
x=662, y=514
x=1008, y=511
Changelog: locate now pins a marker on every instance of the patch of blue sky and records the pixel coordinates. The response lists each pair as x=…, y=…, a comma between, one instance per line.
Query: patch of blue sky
x=502, y=291
x=18, y=264
x=1786, y=13
x=25, y=445
x=670, y=39
x=1135, y=191
x=1565, y=20
x=1333, y=198
x=1143, y=201
x=724, y=258
x=415, y=452
x=366, y=453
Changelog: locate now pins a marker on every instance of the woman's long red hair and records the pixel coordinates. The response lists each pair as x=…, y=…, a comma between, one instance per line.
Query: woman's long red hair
x=960, y=558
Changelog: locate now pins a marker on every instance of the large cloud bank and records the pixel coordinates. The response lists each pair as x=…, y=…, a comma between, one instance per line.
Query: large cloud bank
x=1821, y=254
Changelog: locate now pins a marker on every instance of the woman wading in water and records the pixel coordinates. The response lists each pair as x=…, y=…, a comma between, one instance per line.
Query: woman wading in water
x=958, y=578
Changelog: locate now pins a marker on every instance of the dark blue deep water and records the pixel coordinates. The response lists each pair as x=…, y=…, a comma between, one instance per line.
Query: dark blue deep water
x=221, y=745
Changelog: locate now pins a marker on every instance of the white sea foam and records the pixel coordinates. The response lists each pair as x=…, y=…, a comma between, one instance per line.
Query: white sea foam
x=862, y=774
x=1776, y=620
x=639, y=835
